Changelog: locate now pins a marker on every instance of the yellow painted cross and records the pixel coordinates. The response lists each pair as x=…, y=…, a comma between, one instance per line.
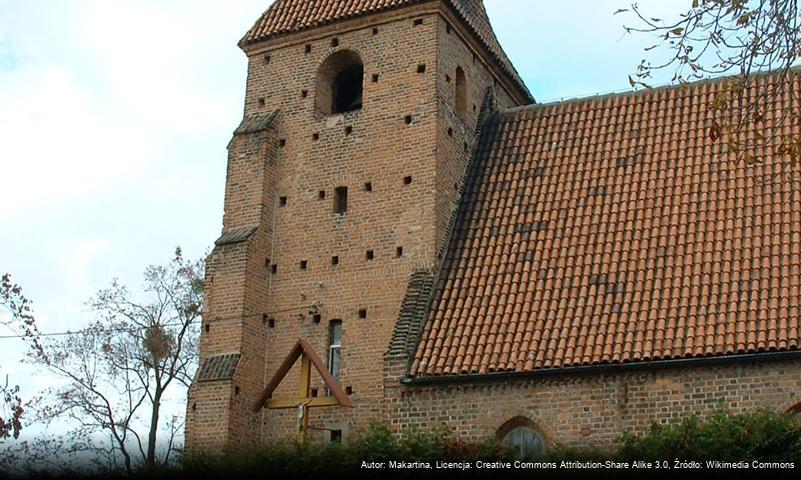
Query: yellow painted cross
x=304, y=401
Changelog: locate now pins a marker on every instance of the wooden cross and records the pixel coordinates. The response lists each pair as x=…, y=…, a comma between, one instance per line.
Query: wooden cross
x=304, y=401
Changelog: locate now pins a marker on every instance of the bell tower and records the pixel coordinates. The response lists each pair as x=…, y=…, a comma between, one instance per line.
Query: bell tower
x=359, y=123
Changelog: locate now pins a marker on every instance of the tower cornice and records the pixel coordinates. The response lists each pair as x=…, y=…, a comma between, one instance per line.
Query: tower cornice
x=254, y=44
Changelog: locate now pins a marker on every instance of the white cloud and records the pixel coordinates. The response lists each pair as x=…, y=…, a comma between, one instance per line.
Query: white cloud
x=98, y=94
x=574, y=48
x=54, y=142
x=153, y=62
x=114, y=117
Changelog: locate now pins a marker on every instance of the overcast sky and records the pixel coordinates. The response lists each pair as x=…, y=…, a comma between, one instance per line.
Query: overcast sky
x=115, y=115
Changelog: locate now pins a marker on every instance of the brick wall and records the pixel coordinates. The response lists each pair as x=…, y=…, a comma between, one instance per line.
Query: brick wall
x=219, y=412
x=382, y=150
x=282, y=179
x=595, y=409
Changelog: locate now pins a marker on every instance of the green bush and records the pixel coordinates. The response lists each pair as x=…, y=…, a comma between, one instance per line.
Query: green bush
x=763, y=435
x=377, y=444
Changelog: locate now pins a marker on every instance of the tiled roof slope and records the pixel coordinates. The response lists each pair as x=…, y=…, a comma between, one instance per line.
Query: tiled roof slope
x=287, y=16
x=612, y=230
x=219, y=367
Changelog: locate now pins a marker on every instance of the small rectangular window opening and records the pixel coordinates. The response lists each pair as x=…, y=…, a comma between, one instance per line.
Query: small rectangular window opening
x=363, y=313
x=368, y=187
x=321, y=194
x=271, y=323
x=407, y=180
x=340, y=200
x=418, y=21
x=274, y=268
x=334, y=348
x=308, y=49
x=304, y=264
x=282, y=201
x=421, y=68
x=336, y=436
x=334, y=260
x=370, y=255
x=399, y=252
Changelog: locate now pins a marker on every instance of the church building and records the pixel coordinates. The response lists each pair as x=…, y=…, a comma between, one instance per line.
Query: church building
x=409, y=238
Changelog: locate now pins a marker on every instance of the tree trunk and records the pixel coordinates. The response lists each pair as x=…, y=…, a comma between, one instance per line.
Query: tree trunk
x=150, y=461
x=127, y=459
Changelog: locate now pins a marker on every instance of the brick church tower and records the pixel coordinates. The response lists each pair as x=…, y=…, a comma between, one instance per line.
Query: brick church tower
x=342, y=181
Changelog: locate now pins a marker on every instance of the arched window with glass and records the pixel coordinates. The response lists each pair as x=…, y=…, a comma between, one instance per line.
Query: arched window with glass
x=521, y=437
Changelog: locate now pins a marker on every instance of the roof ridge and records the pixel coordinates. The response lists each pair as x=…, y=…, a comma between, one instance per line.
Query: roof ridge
x=284, y=17
x=644, y=91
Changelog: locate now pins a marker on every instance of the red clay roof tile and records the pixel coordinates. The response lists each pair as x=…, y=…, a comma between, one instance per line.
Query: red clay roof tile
x=289, y=16
x=613, y=229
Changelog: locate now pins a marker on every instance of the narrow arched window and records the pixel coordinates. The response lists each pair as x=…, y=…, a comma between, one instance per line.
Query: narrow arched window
x=340, y=83
x=461, y=93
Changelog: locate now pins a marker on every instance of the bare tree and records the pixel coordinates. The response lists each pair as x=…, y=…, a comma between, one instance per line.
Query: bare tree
x=117, y=371
x=739, y=38
x=48, y=453
x=15, y=316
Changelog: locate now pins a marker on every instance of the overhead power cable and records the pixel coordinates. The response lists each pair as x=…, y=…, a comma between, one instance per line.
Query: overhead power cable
x=134, y=329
